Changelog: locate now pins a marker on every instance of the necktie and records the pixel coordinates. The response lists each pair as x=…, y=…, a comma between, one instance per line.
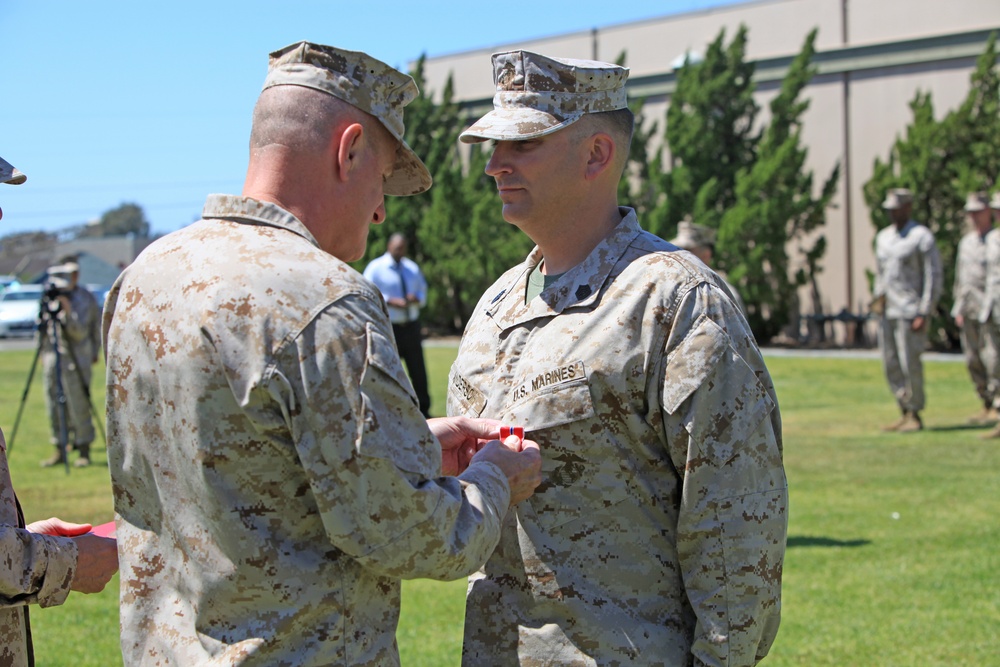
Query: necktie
x=402, y=281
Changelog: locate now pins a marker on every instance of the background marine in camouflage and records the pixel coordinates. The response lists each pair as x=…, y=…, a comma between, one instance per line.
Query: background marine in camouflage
x=969, y=292
x=907, y=286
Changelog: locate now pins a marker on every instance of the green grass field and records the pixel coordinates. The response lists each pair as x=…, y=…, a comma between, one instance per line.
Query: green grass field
x=894, y=542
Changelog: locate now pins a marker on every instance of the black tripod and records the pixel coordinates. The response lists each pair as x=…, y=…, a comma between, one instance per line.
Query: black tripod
x=50, y=328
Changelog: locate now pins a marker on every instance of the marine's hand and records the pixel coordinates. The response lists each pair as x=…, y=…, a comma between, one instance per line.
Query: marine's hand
x=58, y=527
x=460, y=439
x=96, y=563
x=520, y=460
x=918, y=323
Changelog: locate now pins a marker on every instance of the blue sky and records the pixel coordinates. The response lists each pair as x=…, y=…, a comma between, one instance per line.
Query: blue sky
x=108, y=102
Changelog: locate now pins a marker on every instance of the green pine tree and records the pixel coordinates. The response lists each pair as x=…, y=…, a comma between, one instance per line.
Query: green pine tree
x=710, y=131
x=775, y=212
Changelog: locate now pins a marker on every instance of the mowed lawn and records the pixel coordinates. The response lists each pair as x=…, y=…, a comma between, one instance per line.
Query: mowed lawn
x=894, y=540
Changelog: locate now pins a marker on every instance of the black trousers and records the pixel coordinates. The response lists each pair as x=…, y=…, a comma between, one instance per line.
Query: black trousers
x=411, y=351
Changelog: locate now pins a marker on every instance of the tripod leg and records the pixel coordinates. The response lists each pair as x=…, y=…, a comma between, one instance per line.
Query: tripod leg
x=24, y=394
x=56, y=394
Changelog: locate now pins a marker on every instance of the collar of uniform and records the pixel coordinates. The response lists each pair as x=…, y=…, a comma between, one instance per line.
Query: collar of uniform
x=246, y=209
x=578, y=288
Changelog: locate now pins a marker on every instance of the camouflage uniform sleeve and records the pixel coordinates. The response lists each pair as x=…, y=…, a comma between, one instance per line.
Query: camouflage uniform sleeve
x=958, y=286
x=933, y=276
x=372, y=462
x=37, y=569
x=878, y=284
x=724, y=438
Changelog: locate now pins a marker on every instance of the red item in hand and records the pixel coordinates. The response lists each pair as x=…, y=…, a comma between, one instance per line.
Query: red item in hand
x=104, y=530
x=506, y=431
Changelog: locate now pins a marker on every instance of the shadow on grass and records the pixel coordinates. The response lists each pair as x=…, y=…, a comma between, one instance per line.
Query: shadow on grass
x=804, y=541
x=961, y=427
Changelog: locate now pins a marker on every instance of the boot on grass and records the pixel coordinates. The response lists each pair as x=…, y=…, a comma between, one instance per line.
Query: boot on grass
x=896, y=425
x=911, y=423
x=986, y=416
x=57, y=459
x=994, y=433
x=84, y=459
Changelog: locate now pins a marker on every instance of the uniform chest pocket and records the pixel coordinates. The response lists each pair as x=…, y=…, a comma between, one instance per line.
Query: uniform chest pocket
x=582, y=473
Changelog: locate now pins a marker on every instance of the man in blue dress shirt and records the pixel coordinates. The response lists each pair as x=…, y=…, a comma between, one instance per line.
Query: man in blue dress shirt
x=404, y=289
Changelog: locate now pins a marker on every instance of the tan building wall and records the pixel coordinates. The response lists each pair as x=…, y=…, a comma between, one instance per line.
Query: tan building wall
x=872, y=55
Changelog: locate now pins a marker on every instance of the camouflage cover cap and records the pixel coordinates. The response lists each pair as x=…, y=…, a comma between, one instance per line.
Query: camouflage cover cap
x=364, y=82
x=995, y=201
x=537, y=95
x=977, y=201
x=66, y=269
x=691, y=235
x=10, y=175
x=896, y=198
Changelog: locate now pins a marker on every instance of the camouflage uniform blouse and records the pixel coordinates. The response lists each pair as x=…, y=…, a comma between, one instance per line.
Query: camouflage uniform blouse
x=658, y=532
x=991, y=294
x=908, y=271
x=34, y=569
x=272, y=474
x=970, y=276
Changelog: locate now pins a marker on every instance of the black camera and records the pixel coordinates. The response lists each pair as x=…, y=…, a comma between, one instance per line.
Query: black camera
x=54, y=288
x=54, y=291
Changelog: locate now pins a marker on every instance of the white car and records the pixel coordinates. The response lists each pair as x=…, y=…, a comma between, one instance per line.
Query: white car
x=19, y=310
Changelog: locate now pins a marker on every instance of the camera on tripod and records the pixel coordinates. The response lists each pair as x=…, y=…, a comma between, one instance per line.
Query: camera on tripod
x=55, y=287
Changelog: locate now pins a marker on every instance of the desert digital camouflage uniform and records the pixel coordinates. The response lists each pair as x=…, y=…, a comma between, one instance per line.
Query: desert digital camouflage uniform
x=34, y=569
x=79, y=340
x=658, y=533
x=273, y=476
x=989, y=316
x=908, y=274
x=969, y=292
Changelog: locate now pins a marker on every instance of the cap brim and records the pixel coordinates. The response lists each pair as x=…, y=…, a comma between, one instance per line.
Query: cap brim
x=16, y=178
x=515, y=124
x=409, y=175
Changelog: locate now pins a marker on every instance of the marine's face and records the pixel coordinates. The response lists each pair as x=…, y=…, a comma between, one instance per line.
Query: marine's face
x=901, y=214
x=981, y=219
x=536, y=178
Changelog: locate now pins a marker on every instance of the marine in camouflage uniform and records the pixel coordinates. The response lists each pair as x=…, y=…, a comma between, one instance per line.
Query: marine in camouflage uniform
x=77, y=326
x=37, y=569
x=657, y=536
x=969, y=291
x=699, y=240
x=907, y=287
x=272, y=474
x=989, y=316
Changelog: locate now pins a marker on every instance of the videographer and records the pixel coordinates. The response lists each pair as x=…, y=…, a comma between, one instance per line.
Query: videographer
x=69, y=314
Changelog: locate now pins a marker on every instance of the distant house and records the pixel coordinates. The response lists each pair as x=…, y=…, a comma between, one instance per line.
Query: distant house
x=28, y=256
x=115, y=251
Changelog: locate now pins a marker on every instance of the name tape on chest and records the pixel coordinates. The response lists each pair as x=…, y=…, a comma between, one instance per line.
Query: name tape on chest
x=559, y=375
